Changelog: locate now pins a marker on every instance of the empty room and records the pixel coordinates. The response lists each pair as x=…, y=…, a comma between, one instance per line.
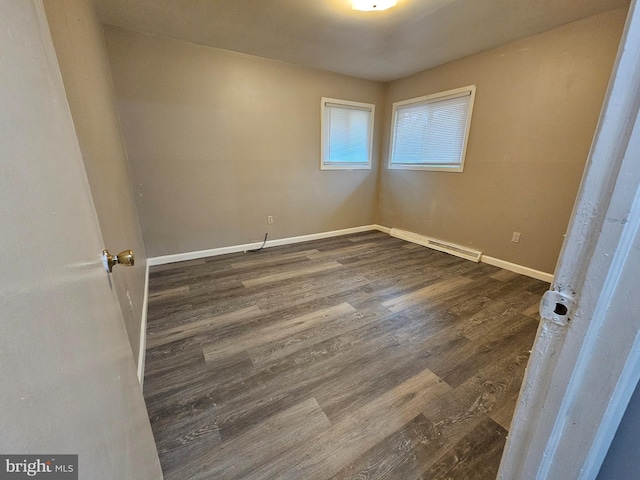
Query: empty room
x=325, y=239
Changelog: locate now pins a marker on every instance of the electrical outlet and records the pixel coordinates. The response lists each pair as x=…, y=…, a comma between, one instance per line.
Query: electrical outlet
x=515, y=238
x=269, y=219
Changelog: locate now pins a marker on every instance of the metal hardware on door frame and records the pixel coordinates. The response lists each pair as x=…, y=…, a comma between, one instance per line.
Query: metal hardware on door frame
x=123, y=258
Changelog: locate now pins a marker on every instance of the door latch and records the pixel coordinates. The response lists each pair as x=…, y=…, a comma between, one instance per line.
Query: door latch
x=557, y=307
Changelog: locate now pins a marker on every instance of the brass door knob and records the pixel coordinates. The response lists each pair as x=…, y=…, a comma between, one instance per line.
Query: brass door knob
x=123, y=258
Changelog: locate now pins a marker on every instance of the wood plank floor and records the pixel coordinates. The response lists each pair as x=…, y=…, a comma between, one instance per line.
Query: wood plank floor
x=361, y=356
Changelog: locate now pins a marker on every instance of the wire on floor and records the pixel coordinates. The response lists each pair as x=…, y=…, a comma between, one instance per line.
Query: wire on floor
x=261, y=246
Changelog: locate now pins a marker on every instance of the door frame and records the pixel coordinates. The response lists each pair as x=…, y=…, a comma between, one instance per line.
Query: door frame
x=585, y=363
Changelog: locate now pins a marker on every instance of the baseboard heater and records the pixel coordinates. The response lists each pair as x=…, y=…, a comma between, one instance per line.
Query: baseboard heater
x=440, y=245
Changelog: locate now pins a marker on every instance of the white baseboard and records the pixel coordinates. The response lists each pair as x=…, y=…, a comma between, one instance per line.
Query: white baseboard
x=181, y=257
x=143, y=327
x=514, y=267
x=213, y=252
x=440, y=245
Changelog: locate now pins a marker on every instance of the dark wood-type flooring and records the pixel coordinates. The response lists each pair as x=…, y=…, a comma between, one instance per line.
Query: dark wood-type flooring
x=361, y=356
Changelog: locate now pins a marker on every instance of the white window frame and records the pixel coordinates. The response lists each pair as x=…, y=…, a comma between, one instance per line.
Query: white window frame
x=324, y=151
x=426, y=99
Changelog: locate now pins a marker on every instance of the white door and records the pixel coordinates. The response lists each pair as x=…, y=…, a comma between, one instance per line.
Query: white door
x=67, y=377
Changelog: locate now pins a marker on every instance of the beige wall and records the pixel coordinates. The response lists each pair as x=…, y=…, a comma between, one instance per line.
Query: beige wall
x=81, y=52
x=219, y=140
x=536, y=109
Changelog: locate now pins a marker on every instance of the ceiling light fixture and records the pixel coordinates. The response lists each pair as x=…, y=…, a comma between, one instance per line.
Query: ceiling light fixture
x=370, y=5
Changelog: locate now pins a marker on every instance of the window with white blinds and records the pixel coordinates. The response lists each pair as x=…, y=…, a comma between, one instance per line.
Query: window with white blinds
x=430, y=132
x=347, y=134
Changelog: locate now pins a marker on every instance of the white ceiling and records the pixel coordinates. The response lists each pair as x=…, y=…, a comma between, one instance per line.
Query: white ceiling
x=329, y=35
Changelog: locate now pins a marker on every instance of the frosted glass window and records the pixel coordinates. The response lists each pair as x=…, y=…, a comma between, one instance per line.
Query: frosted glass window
x=347, y=134
x=430, y=133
